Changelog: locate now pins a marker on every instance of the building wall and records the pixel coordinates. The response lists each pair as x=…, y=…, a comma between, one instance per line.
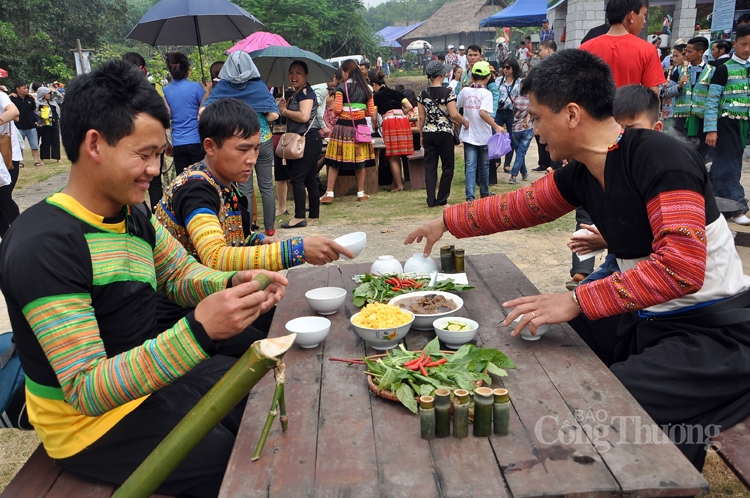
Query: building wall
x=582, y=15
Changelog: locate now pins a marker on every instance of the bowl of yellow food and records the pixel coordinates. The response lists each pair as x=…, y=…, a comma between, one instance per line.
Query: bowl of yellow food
x=455, y=331
x=382, y=326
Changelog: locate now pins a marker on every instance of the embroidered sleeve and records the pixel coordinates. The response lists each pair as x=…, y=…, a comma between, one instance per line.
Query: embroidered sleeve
x=338, y=103
x=676, y=267
x=538, y=203
x=370, y=107
x=208, y=238
x=712, y=108
x=671, y=91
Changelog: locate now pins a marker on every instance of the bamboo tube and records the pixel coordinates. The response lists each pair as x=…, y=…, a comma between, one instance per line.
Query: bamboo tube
x=261, y=357
x=460, y=413
x=442, y=412
x=501, y=412
x=483, y=412
x=427, y=417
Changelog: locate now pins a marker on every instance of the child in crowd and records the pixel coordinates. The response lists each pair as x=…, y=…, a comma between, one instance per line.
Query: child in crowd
x=477, y=103
x=726, y=124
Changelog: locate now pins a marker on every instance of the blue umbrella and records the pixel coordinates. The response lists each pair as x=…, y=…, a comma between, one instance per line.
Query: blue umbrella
x=273, y=63
x=194, y=22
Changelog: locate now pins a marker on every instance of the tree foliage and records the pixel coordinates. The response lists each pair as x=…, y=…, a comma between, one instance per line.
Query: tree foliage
x=401, y=12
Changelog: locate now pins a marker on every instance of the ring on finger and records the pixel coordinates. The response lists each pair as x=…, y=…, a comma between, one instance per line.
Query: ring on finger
x=533, y=314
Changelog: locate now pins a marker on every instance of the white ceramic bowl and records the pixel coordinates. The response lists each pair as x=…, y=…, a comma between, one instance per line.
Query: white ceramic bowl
x=326, y=300
x=455, y=340
x=385, y=265
x=355, y=242
x=418, y=264
x=310, y=330
x=526, y=333
x=424, y=322
x=386, y=338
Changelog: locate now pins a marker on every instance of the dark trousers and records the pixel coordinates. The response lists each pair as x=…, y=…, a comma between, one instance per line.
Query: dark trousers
x=303, y=173
x=49, y=136
x=726, y=169
x=114, y=456
x=544, y=159
x=438, y=146
x=670, y=367
x=155, y=188
x=702, y=149
x=8, y=207
x=583, y=267
x=187, y=155
x=504, y=118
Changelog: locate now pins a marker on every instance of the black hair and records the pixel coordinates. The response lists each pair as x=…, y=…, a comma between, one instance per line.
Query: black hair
x=227, y=118
x=617, y=9
x=351, y=66
x=699, y=43
x=681, y=47
x=633, y=100
x=18, y=84
x=36, y=86
x=549, y=44
x=514, y=66
x=134, y=58
x=301, y=64
x=742, y=31
x=527, y=38
x=744, y=18
x=178, y=65
x=107, y=100
x=723, y=45
x=400, y=88
x=215, y=69
x=371, y=75
x=523, y=43
x=475, y=48
x=339, y=75
x=410, y=96
x=366, y=64
x=377, y=77
x=441, y=57
x=573, y=76
x=331, y=92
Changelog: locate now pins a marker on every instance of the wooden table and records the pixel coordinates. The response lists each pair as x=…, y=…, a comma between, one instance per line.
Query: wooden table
x=343, y=441
x=348, y=184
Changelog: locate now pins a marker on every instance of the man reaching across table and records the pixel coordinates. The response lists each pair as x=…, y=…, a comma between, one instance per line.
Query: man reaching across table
x=105, y=383
x=681, y=290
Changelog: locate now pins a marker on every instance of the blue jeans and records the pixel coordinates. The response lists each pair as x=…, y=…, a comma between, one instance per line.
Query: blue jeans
x=607, y=268
x=523, y=140
x=32, y=136
x=476, y=156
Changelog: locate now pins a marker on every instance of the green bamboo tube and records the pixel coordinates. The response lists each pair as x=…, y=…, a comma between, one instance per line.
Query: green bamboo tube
x=483, y=412
x=261, y=357
x=442, y=412
x=501, y=412
x=460, y=413
x=427, y=417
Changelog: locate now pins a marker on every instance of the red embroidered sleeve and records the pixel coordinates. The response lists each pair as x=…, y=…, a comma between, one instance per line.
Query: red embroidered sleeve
x=676, y=267
x=538, y=203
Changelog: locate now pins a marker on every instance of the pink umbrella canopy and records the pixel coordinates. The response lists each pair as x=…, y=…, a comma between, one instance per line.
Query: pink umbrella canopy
x=258, y=41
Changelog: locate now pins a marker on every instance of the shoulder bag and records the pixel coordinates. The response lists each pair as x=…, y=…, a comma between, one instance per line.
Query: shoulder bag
x=6, y=147
x=362, y=132
x=292, y=145
x=456, y=134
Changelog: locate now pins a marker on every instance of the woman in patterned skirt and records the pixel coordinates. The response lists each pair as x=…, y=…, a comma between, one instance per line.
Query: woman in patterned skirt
x=343, y=153
x=396, y=133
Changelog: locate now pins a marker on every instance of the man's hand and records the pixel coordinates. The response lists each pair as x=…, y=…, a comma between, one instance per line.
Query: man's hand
x=499, y=129
x=466, y=124
x=270, y=240
x=682, y=82
x=711, y=138
x=430, y=231
x=584, y=244
x=321, y=250
x=537, y=310
x=229, y=312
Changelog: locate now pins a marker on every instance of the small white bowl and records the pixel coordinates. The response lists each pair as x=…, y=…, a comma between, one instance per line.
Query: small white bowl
x=310, y=330
x=424, y=322
x=455, y=340
x=526, y=333
x=385, y=265
x=326, y=300
x=355, y=242
x=386, y=338
x=419, y=264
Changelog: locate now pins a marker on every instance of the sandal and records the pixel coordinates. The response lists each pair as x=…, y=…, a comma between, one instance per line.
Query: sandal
x=38, y=164
x=506, y=169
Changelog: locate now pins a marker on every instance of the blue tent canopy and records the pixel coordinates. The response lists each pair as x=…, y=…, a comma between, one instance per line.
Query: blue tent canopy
x=391, y=34
x=519, y=14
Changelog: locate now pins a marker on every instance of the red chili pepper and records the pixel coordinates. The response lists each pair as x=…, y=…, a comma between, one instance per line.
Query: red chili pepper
x=420, y=284
x=436, y=363
x=414, y=366
x=427, y=360
x=421, y=369
x=415, y=360
x=389, y=281
x=405, y=285
x=412, y=281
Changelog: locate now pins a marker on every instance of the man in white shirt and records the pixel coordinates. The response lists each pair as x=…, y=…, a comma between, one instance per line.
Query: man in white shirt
x=462, y=61
x=477, y=103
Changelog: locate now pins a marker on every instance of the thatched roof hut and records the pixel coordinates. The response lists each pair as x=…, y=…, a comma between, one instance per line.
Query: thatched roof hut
x=457, y=23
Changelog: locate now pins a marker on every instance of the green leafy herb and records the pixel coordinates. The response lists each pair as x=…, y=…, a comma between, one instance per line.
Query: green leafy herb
x=374, y=288
x=405, y=394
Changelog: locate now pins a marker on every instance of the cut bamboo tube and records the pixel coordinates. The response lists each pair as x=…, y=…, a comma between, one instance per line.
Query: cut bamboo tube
x=501, y=412
x=427, y=417
x=460, y=413
x=442, y=412
x=261, y=357
x=483, y=412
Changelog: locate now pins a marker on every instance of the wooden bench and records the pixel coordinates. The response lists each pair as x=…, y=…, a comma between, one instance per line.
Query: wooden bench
x=416, y=169
x=733, y=446
x=41, y=477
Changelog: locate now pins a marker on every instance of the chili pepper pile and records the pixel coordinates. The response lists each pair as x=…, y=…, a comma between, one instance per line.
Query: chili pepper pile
x=383, y=288
x=419, y=373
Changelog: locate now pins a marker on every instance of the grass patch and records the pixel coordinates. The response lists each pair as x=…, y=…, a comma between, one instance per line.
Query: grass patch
x=31, y=175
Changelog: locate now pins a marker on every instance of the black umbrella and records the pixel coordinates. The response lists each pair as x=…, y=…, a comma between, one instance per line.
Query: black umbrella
x=194, y=22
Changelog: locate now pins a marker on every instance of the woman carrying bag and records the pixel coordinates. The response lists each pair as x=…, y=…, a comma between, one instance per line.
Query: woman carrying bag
x=48, y=108
x=508, y=88
x=301, y=113
x=345, y=153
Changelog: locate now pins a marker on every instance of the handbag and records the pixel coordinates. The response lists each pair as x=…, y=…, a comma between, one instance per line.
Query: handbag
x=362, y=132
x=292, y=145
x=6, y=147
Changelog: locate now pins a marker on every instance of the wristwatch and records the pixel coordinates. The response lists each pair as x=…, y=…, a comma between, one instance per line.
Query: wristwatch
x=575, y=299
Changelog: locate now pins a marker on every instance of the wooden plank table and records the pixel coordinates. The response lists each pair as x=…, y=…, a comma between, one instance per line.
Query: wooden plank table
x=575, y=430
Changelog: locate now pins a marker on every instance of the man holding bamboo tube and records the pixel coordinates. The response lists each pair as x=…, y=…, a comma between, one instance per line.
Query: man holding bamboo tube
x=80, y=271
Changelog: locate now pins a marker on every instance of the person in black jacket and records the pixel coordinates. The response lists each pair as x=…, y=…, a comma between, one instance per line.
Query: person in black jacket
x=27, y=120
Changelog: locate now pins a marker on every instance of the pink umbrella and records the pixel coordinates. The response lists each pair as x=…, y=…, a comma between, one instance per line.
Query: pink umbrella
x=258, y=41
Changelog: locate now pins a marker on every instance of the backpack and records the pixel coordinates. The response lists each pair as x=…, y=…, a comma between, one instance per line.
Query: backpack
x=12, y=387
